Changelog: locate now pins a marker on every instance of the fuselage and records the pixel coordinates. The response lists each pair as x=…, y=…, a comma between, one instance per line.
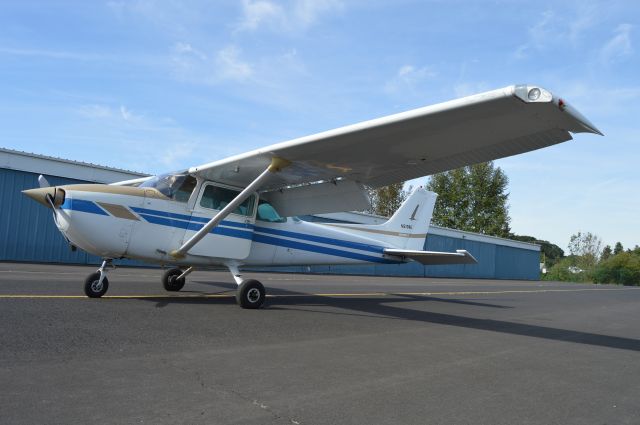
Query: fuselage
x=142, y=223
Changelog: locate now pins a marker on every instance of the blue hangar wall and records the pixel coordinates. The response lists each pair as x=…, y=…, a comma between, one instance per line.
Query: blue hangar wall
x=27, y=228
x=28, y=234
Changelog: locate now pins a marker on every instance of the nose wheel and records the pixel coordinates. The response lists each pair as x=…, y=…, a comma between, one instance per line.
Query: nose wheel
x=97, y=284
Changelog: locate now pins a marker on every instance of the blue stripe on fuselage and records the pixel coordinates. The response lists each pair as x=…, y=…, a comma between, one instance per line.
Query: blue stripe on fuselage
x=322, y=239
x=269, y=240
x=190, y=218
x=82, y=205
x=224, y=231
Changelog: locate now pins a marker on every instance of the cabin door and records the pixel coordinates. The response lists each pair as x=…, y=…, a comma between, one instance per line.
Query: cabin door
x=233, y=236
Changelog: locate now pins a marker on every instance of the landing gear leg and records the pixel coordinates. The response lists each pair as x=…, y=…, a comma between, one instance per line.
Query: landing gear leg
x=251, y=293
x=97, y=284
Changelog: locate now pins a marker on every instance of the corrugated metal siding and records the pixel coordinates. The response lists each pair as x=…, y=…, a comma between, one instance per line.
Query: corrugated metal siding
x=484, y=252
x=514, y=263
x=27, y=228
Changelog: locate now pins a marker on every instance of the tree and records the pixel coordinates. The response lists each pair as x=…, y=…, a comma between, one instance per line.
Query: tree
x=386, y=200
x=472, y=198
x=606, y=253
x=623, y=269
x=586, y=248
x=552, y=253
x=618, y=248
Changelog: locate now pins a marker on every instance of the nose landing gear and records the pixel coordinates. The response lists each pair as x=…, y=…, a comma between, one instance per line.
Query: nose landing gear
x=97, y=284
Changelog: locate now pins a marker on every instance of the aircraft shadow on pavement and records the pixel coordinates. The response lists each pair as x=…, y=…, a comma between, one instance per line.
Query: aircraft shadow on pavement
x=389, y=307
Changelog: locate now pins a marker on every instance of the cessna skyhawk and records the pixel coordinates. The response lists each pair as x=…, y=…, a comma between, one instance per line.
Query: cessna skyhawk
x=241, y=211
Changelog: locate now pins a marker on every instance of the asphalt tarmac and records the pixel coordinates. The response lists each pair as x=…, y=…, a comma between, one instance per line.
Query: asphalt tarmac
x=325, y=350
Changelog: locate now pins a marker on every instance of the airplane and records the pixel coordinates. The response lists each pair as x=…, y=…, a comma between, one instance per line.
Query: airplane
x=242, y=211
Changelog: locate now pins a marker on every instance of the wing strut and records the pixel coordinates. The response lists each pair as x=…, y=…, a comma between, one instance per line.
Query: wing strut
x=276, y=165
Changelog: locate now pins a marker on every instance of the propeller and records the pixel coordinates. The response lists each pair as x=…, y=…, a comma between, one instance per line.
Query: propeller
x=42, y=181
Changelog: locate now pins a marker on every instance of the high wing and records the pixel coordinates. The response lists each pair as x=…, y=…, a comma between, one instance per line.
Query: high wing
x=412, y=144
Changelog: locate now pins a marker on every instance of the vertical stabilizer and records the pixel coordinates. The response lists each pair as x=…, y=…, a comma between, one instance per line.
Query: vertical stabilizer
x=407, y=228
x=412, y=219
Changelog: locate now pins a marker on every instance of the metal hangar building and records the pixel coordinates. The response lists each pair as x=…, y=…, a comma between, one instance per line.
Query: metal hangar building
x=29, y=234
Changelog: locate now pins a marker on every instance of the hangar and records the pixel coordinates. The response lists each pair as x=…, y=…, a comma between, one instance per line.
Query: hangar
x=29, y=233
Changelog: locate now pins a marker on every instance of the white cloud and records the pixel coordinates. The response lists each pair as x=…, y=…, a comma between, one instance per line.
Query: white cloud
x=231, y=66
x=186, y=48
x=153, y=144
x=549, y=30
x=309, y=11
x=295, y=15
x=127, y=115
x=52, y=54
x=192, y=64
x=408, y=79
x=106, y=112
x=538, y=34
x=618, y=46
x=260, y=12
x=177, y=153
x=586, y=18
x=95, y=111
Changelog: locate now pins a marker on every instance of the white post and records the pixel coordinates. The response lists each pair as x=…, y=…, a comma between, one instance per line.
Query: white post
x=276, y=165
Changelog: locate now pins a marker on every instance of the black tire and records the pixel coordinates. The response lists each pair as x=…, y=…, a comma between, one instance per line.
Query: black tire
x=92, y=288
x=170, y=280
x=251, y=294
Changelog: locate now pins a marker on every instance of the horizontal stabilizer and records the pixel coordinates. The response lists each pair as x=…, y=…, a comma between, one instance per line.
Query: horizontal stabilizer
x=429, y=258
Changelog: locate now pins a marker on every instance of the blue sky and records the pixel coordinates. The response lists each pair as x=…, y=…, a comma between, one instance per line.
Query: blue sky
x=159, y=85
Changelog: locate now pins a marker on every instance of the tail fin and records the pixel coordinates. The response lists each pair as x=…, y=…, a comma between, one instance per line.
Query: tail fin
x=413, y=218
x=411, y=221
x=407, y=228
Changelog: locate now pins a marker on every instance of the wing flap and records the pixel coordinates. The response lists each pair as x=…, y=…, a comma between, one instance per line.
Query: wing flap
x=341, y=195
x=428, y=258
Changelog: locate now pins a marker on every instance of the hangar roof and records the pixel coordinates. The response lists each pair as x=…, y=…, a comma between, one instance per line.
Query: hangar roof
x=49, y=165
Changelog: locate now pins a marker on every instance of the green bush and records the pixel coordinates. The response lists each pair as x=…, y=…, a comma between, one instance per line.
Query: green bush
x=560, y=272
x=623, y=269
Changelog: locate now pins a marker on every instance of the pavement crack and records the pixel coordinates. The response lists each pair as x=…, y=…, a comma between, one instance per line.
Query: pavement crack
x=214, y=386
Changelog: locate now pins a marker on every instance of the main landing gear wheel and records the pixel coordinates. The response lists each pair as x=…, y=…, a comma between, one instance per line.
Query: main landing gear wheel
x=251, y=294
x=93, y=287
x=170, y=280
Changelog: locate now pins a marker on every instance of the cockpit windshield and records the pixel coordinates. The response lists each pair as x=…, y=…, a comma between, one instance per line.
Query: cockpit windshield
x=175, y=186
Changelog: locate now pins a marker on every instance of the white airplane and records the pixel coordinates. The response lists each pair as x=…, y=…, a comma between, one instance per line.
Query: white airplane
x=232, y=212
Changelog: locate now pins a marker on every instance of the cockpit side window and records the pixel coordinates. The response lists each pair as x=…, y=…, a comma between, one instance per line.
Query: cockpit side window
x=216, y=198
x=186, y=189
x=266, y=212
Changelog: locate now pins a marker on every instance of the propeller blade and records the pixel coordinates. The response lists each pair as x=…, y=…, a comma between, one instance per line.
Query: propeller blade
x=42, y=181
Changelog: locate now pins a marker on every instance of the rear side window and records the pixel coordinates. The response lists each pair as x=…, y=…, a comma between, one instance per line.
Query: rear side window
x=266, y=212
x=216, y=198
